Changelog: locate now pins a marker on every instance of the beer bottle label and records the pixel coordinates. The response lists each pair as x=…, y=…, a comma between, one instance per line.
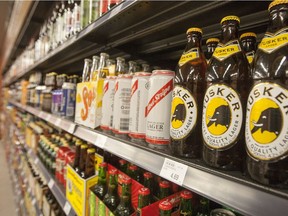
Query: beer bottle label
x=272, y=42
x=222, y=116
x=250, y=56
x=188, y=56
x=223, y=51
x=183, y=113
x=266, y=129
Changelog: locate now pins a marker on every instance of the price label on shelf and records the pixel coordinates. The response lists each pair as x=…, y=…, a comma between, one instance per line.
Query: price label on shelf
x=67, y=208
x=51, y=183
x=48, y=118
x=173, y=171
x=58, y=122
x=71, y=128
x=36, y=160
x=34, y=201
x=100, y=141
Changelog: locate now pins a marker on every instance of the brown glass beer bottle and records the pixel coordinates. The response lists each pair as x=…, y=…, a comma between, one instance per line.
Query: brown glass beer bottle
x=228, y=84
x=248, y=42
x=211, y=45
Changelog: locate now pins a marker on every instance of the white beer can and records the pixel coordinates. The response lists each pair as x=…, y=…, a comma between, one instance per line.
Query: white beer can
x=121, y=110
x=158, y=108
x=107, y=102
x=139, y=97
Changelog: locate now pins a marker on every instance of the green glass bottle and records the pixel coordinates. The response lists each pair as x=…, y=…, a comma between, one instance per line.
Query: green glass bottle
x=100, y=188
x=204, y=207
x=143, y=200
x=123, y=165
x=164, y=191
x=125, y=207
x=165, y=208
x=148, y=182
x=186, y=203
x=133, y=172
x=111, y=198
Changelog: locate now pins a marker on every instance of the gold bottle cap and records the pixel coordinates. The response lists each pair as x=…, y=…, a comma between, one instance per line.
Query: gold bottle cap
x=248, y=34
x=194, y=30
x=91, y=150
x=84, y=146
x=212, y=40
x=231, y=17
x=277, y=2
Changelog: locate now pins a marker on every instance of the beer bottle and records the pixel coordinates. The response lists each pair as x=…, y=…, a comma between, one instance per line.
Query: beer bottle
x=132, y=67
x=188, y=98
x=204, y=207
x=266, y=121
x=94, y=68
x=133, y=172
x=111, y=198
x=77, y=155
x=82, y=159
x=86, y=70
x=186, y=203
x=211, y=45
x=143, y=199
x=120, y=66
x=164, y=189
x=100, y=188
x=148, y=182
x=248, y=42
x=111, y=65
x=90, y=164
x=123, y=165
x=165, y=208
x=102, y=68
x=125, y=207
x=228, y=84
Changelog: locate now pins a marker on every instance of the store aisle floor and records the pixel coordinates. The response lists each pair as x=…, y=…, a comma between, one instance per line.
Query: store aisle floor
x=7, y=203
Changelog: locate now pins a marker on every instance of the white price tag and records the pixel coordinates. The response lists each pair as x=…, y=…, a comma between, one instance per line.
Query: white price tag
x=67, y=208
x=34, y=201
x=58, y=122
x=51, y=183
x=173, y=171
x=48, y=118
x=42, y=115
x=71, y=128
x=36, y=161
x=101, y=141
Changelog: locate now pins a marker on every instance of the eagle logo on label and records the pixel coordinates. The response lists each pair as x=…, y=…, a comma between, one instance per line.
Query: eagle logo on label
x=183, y=113
x=222, y=116
x=266, y=132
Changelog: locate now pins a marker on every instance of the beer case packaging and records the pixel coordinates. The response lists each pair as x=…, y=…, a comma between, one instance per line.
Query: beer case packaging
x=153, y=208
x=101, y=208
x=89, y=103
x=77, y=190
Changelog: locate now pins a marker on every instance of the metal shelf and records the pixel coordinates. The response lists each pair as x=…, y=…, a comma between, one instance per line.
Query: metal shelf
x=228, y=188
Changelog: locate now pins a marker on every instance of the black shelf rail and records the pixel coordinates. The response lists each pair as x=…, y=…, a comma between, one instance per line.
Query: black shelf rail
x=228, y=188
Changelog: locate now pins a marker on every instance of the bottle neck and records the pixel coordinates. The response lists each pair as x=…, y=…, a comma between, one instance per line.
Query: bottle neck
x=229, y=31
x=193, y=41
x=164, y=192
x=143, y=201
x=185, y=207
x=278, y=18
x=165, y=212
x=102, y=176
x=112, y=186
x=125, y=199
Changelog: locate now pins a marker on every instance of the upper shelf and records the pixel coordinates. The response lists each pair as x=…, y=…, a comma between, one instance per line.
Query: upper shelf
x=152, y=31
x=228, y=188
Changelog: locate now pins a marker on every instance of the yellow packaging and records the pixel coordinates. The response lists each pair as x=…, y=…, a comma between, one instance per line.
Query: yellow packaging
x=77, y=191
x=89, y=103
x=24, y=85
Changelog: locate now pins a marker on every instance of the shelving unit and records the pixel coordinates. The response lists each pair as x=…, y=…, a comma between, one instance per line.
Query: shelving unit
x=57, y=190
x=229, y=188
x=155, y=32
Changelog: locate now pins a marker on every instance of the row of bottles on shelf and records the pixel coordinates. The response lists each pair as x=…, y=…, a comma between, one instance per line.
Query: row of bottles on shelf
x=66, y=19
x=223, y=112
x=116, y=178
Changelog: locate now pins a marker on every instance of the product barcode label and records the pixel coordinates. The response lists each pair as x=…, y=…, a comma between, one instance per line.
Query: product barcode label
x=124, y=124
x=67, y=208
x=51, y=183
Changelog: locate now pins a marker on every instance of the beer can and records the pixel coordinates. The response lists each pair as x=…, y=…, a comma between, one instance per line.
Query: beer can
x=138, y=102
x=158, y=109
x=121, y=108
x=107, y=102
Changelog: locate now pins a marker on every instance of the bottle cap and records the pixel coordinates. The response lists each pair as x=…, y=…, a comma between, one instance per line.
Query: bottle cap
x=186, y=194
x=231, y=17
x=248, y=34
x=165, y=205
x=144, y=191
x=212, y=40
x=133, y=167
x=95, y=57
x=122, y=161
x=113, y=172
x=277, y=2
x=91, y=150
x=148, y=175
x=164, y=184
x=103, y=164
x=194, y=29
x=84, y=146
